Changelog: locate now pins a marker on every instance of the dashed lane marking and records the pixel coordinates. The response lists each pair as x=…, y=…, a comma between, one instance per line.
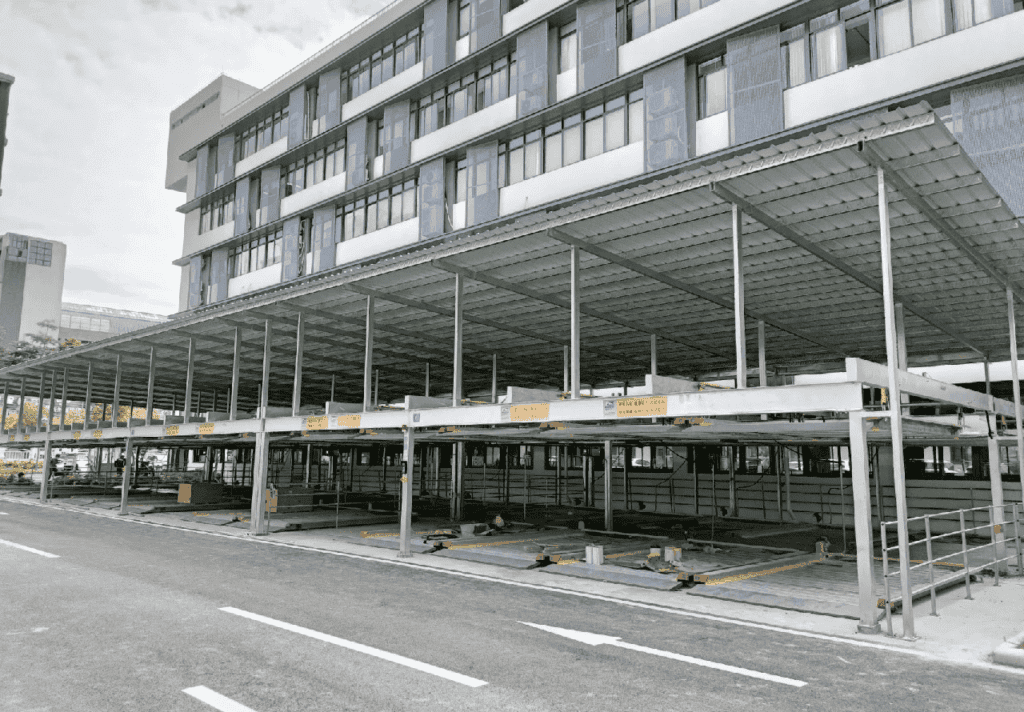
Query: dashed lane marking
x=29, y=549
x=216, y=700
x=360, y=648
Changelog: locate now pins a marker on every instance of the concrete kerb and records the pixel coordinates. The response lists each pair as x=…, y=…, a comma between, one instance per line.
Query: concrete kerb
x=784, y=621
x=1011, y=652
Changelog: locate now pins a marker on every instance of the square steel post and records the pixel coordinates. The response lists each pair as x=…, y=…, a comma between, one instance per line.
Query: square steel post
x=115, y=408
x=574, y=327
x=895, y=409
x=189, y=374
x=300, y=338
x=654, y=355
x=88, y=397
x=150, y=385
x=762, y=357
x=21, y=406
x=45, y=483
x=609, y=523
x=39, y=406
x=995, y=477
x=261, y=458
x=129, y=461
x=739, y=308
x=368, y=357
x=236, y=365
x=408, y=462
x=63, y=399
x=1015, y=377
x=53, y=400
x=426, y=380
x=457, y=357
x=494, y=378
x=566, y=376
x=860, y=474
x=456, y=497
x=3, y=415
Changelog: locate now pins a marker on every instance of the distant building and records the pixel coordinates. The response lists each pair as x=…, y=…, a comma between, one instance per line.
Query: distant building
x=31, y=285
x=6, y=80
x=88, y=323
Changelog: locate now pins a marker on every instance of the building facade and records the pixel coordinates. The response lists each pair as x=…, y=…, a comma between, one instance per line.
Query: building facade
x=6, y=80
x=31, y=286
x=438, y=117
x=87, y=323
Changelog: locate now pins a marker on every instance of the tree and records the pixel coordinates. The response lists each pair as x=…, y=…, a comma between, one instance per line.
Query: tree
x=37, y=345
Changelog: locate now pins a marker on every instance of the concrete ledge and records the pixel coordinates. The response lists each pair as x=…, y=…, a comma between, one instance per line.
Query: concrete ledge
x=1010, y=652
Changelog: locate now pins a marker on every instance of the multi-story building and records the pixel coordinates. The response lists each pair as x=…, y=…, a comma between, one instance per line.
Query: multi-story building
x=31, y=286
x=87, y=323
x=438, y=117
x=6, y=80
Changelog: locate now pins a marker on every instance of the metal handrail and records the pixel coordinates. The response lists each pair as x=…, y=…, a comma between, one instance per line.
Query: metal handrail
x=930, y=561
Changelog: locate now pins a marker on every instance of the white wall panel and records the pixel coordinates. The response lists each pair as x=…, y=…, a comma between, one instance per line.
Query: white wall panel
x=465, y=130
x=313, y=195
x=382, y=92
x=259, y=279
x=264, y=155
x=390, y=238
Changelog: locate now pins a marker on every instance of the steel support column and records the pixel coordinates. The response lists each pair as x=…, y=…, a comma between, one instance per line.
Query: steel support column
x=762, y=356
x=368, y=357
x=21, y=406
x=236, y=366
x=63, y=399
x=88, y=397
x=574, y=322
x=456, y=497
x=126, y=478
x=995, y=477
x=859, y=471
x=300, y=339
x=115, y=406
x=150, y=385
x=654, y=355
x=39, y=405
x=426, y=380
x=189, y=373
x=45, y=483
x=408, y=465
x=609, y=523
x=739, y=308
x=261, y=458
x=494, y=378
x=3, y=415
x=53, y=401
x=1015, y=378
x=457, y=354
x=895, y=399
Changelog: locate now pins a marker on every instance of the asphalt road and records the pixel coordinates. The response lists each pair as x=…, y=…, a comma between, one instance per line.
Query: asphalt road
x=130, y=615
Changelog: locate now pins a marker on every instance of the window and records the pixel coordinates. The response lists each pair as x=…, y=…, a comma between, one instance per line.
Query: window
x=85, y=323
x=794, y=54
x=40, y=253
x=268, y=131
x=521, y=457
x=712, y=91
x=641, y=16
x=256, y=254
x=474, y=92
x=465, y=16
x=217, y=212
x=384, y=64
x=567, y=47
x=312, y=126
x=387, y=207
x=602, y=128
x=650, y=457
x=906, y=23
x=968, y=13
x=826, y=45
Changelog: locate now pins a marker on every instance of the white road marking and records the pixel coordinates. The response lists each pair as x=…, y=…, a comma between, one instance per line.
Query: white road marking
x=216, y=700
x=28, y=548
x=360, y=648
x=598, y=639
x=5, y=514
x=553, y=589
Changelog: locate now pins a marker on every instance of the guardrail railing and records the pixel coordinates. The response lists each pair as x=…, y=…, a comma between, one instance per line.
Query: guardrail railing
x=958, y=560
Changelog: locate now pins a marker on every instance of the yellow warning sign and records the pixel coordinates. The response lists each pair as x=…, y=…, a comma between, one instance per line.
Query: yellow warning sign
x=171, y=430
x=97, y=434
x=641, y=407
x=316, y=422
x=206, y=428
x=532, y=411
x=350, y=421
x=76, y=436
x=27, y=437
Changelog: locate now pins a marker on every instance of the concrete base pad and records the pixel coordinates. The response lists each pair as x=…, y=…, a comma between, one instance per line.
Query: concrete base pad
x=1011, y=652
x=615, y=574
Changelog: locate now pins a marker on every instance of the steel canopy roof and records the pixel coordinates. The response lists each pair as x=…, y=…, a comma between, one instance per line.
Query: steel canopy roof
x=656, y=258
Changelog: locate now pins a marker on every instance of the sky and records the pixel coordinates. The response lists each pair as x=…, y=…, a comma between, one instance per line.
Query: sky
x=95, y=82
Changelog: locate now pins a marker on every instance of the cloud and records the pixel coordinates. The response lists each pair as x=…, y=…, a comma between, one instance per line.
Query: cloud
x=95, y=82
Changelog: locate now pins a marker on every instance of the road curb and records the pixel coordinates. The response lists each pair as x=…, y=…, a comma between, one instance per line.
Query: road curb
x=1011, y=652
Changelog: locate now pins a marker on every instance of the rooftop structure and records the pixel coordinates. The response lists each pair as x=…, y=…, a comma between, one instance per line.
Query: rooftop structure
x=87, y=323
x=6, y=81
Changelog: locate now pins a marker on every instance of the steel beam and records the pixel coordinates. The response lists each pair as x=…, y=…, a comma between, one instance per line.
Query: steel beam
x=679, y=285
x=783, y=230
x=895, y=406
